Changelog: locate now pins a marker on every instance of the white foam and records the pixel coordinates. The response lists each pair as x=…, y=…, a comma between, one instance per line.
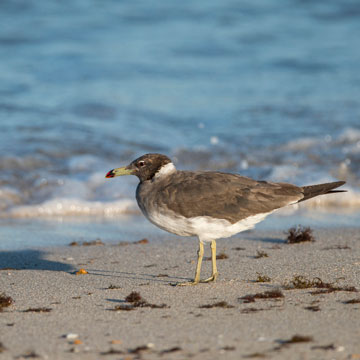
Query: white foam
x=302, y=144
x=341, y=202
x=74, y=207
x=9, y=197
x=349, y=135
x=84, y=163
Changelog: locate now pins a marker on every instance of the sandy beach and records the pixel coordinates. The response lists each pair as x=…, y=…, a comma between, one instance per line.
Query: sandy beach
x=57, y=314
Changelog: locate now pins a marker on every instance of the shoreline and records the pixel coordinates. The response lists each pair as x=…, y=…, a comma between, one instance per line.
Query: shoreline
x=81, y=321
x=57, y=231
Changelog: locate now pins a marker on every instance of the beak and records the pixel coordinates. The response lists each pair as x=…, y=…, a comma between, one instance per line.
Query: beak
x=119, y=172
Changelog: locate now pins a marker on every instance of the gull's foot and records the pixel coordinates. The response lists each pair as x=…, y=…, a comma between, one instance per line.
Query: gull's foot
x=211, y=278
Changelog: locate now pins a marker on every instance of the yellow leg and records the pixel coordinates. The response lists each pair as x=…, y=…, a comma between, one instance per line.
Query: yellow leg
x=198, y=267
x=215, y=273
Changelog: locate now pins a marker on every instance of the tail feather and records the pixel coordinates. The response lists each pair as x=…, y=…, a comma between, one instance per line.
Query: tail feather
x=321, y=189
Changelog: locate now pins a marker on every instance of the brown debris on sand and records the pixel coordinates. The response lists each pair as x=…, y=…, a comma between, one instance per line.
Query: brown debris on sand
x=301, y=282
x=337, y=247
x=134, y=297
x=221, y=304
x=96, y=242
x=139, y=242
x=137, y=301
x=113, y=287
x=5, y=301
x=299, y=234
x=38, y=310
x=352, y=301
x=324, y=347
x=260, y=254
x=267, y=295
x=221, y=256
x=293, y=340
x=2, y=347
x=112, y=352
x=262, y=278
x=81, y=272
x=29, y=355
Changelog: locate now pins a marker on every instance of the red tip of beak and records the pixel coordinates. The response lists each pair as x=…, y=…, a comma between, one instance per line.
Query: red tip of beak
x=110, y=174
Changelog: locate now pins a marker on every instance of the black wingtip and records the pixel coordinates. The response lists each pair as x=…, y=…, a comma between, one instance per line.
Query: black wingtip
x=321, y=189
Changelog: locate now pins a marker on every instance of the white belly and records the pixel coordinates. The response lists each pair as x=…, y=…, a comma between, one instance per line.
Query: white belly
x=205, y=227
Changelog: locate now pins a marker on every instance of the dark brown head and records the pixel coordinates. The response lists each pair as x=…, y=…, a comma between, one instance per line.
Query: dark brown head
x=145, y=167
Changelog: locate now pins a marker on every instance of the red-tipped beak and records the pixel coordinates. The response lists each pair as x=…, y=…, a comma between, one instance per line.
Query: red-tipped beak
x=110, y=174
x=119, y=172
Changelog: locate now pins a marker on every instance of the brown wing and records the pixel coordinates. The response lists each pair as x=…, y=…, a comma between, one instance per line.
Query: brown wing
x=224, y=196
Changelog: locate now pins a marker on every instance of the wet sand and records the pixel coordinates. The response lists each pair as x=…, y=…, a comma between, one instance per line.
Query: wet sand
x=57, y=314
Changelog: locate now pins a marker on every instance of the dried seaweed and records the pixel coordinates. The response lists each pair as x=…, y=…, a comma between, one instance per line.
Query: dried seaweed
x=124, y=307
x=301, y=282
x=139, y=242
x=87, y=243
x=140, y=349
x=113, y=287
x=171, y=350
x=262, y=278
x=250, y=310
x=324, y=347
x=298, y=339
x=5, y=301
x=267, y=295
x=112, y=352
x=352, y=301
x=134, y=297
x=221, y=256
x=29, y=355
x=221, y=304
x=228, y=348
x=337, y=247
x=142, y=241
x=38, y=310
x=331, y=288
x=293, y=340
x=256, y=355
x=136, y=301
x=260, y=254
x=299, y=234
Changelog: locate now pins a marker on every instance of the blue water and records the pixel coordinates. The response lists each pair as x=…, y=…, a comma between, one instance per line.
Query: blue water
x=268, y=89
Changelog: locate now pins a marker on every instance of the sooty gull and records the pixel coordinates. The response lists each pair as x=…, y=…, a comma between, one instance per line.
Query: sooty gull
x=208, y=204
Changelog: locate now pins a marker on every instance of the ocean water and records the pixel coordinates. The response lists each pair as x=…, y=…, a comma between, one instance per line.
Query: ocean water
x=270, y=90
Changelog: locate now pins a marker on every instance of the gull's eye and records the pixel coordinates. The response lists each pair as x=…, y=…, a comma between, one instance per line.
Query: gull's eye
x=141, y=163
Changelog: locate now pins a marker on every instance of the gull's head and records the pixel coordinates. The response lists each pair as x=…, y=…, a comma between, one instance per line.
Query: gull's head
x=146, y=167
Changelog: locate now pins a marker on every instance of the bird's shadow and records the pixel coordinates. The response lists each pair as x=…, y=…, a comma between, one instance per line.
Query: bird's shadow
x=30, y=259
x=136, y=276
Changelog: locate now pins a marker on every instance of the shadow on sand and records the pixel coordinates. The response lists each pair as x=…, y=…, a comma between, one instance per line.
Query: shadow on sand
x=266, y=240
x=30, y=260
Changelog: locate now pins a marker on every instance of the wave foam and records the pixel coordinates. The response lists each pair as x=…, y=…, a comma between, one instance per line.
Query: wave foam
x=340, y=203
x=74, y=207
